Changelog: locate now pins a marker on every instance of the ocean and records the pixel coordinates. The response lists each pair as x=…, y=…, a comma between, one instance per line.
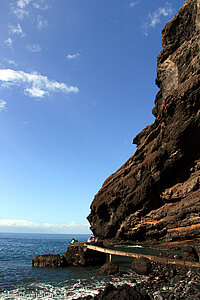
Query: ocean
x=19, y=280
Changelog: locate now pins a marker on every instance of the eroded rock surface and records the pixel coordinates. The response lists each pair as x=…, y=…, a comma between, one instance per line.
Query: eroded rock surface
x=78, y=255
x=49, y=261
x=155, y=194
x=124, y=292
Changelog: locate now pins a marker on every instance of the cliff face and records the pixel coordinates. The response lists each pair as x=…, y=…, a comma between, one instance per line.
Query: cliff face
x=155, y=194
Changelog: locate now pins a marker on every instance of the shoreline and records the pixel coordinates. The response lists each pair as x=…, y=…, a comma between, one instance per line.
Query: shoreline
x=164, y=282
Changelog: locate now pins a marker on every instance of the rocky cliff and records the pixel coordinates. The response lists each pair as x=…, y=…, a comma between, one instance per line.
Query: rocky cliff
x=155, y=194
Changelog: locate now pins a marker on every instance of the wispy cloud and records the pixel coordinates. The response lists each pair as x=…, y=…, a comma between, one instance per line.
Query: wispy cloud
x=41, y=4
x=9, y=42
x=33, y=47
x=2, y=105
x=155, y=18
x=133, y=4
x=20, y=9
x=41, y=22
x=34, y=84
x=16, y=30
x=28, y=226
x=11, y=62
x=73, y=56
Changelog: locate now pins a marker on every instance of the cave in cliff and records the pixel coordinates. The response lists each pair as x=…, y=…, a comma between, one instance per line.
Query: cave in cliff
x=155, y=195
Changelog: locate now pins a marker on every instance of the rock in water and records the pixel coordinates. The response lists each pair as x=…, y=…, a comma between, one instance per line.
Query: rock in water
x=155, y=194
x=78, y=255
x=49, y=261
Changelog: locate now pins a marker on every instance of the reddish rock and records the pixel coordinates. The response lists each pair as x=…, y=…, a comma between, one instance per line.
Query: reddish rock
x=155, y=194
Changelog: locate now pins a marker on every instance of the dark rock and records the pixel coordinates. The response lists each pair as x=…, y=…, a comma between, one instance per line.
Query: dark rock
x=197, y=296
x=155, y=194
x=124, y=292
x=189, y=253
x=49, y=260
x=172, y=272
x=193, y=288
x=141, y=266
x=78, y=254
x=175, y=279
x=109, y=268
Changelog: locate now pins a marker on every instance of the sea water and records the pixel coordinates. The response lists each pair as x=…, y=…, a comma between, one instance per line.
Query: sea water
x=19, y=280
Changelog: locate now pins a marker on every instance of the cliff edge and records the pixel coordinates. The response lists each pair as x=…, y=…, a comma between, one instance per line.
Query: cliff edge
x=155, y=194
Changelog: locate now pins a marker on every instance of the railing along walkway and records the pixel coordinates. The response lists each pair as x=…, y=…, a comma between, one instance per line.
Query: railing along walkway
x=158, y=259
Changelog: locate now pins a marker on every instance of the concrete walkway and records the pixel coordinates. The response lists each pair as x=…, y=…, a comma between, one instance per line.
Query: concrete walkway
x=158, y=259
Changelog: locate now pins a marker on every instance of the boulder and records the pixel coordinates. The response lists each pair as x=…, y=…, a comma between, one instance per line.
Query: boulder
x=109, y=268
x=141, y=266
x=49, y=260
x=78, y=255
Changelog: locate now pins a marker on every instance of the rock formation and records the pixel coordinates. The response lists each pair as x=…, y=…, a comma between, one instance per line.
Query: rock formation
x=123, y=292
x=109, y=268
x=141, y=266
x=78, y=255
x=155, y=194
x=49, y=261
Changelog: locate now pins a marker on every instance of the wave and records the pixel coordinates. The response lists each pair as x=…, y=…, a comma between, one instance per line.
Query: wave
x=67, y=290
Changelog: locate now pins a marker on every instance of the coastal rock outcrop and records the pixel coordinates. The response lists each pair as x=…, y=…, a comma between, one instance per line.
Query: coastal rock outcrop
x=49, y=261
x=78, y=255
x=155, y=194
x=123, y=292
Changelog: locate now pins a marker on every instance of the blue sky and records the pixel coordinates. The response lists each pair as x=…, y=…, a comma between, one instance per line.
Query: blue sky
x=76, y=85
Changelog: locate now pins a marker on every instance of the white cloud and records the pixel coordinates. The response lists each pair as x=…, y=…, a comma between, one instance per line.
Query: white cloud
x=2, y=105
x=20, y=10
x=25, y=225
x=22, y=7
x=11, y=62
x=23, y=3
x=16, y=30
x=40, y=4
x=41, y=23
x=133, y=4
x=34, y=84
x=35, y=92
x=33, y=47
x=155, y=18
x=9, y=42
x=73, y=56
